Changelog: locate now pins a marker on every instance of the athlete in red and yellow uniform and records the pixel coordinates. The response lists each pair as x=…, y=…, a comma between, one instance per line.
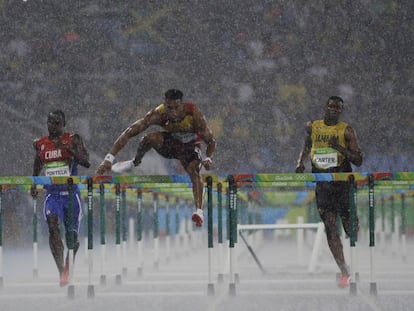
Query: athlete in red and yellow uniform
x=59, y=154
x=332, y=146
x=185, y=127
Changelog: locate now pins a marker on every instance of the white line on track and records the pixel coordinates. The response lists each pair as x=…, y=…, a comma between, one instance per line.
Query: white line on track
x=293, y=293
x=333, y=292
x=125, y=294
x=124, y=283
x=218, y=299
x=32, y=296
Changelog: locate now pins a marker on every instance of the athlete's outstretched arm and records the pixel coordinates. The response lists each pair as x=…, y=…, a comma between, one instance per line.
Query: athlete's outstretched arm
x=151, y=118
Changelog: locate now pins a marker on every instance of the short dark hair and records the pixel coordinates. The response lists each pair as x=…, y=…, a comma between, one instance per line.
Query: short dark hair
x=59, y=113
x=335, y=99
x=174, y=94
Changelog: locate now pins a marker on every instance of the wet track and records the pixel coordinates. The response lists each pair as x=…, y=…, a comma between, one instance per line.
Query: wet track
x=182, y=281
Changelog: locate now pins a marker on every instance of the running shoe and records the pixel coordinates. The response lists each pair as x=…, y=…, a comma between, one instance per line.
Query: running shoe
x=123, y=166
x=64, y=277
x=198, y=217
x=344, y=281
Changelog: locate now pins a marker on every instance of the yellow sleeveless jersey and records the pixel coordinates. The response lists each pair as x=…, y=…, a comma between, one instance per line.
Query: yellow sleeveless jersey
x=183, y=130
x=185, y=125
x=322, y=156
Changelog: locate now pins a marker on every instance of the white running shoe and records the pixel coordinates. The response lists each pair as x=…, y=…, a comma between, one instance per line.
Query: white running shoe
x=198, y=217
x=123, y=166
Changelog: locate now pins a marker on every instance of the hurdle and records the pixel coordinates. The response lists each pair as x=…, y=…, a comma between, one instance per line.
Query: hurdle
x=392, y=222
x=102, y=226
x=120, y=197
x=356, y=180
x=220, y=275
x=35, y=246
x=124, y=185
x=316, y=244
x=124, y=233
x=373, y=284
x=210, y=286
x=155, y=232
x=71, y=287
x=120, y=194
x=167, y=230
x=140, y=257
x=91, y=287
x=118, y=276
x=232, y=223
x=353, y=234
x=1, y=238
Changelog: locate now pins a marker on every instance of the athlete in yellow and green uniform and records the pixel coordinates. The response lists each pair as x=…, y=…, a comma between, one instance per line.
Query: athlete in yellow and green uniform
x=332, y=146
x=323, y=157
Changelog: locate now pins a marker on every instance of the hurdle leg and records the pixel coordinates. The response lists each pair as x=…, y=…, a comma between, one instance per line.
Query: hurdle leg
x=102, y=223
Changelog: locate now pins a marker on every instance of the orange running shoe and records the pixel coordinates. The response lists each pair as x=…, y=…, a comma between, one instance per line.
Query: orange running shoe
x=198, y=217
x=64, y=277
x=344, y=281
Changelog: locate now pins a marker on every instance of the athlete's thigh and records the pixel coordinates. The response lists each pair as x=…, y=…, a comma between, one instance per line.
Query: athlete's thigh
x=53, y=206
x=342, y=201
x=169, y=146
x=174, y=149
x=325, y=201
x=344, y=208
x=190, y=158
x=76, y=205
x=325, y=195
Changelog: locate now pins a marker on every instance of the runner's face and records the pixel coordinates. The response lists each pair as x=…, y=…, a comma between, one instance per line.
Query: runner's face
x=333, y=110
x=54, y=125
x=174, y=110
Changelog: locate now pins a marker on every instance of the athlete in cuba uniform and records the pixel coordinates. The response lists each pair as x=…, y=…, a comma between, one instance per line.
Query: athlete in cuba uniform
x=59, y=154
x=332, y=146
x=185, y=127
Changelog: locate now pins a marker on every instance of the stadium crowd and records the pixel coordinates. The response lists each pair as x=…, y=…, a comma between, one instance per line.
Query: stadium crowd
x=257, y=69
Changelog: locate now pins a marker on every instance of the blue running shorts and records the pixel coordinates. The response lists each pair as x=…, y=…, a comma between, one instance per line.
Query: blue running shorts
x=57, y=203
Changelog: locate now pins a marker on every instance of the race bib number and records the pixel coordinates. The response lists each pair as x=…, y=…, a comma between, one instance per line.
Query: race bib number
x=325, y=158
x=57, y=169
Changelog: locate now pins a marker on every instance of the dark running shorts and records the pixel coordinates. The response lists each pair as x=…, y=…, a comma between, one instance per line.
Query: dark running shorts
x=175, y=149
x=333, y=196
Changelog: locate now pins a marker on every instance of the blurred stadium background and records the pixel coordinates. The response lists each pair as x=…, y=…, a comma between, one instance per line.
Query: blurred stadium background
x=258, y=69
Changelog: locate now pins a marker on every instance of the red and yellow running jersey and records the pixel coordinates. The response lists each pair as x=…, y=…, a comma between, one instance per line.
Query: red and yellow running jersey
x=183, y=130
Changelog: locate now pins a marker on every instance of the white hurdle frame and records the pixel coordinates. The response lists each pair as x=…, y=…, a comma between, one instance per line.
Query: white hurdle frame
x=317, y=242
